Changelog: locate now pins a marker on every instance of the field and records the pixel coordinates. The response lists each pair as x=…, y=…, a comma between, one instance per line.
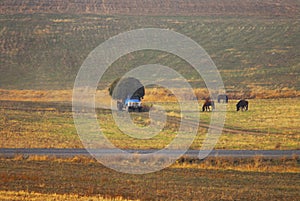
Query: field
x=21, y=195
x=45, y=51
x=271, y=122
x=255, y=46
x=213, y=179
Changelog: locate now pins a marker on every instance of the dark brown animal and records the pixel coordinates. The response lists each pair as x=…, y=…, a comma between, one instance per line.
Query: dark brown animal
x=207, y=104
x=242, y=105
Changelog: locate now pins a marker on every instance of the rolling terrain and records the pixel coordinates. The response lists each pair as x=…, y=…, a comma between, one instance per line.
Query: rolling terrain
x=254, y=45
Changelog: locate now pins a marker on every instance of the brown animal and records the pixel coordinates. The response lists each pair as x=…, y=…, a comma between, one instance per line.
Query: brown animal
x=207, y=104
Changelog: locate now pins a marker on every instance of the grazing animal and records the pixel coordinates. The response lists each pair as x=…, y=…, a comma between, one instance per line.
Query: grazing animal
x=207, y=104
x=223, y=97
x=242, y=105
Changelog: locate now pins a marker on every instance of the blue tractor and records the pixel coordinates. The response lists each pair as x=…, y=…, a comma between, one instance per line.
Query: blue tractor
x=130, y=104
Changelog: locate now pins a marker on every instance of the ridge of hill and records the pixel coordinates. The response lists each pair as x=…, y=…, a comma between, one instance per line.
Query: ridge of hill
x=271, y=8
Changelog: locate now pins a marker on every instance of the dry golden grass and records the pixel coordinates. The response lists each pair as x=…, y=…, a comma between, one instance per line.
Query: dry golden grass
x=35, y=95
x=251, y=164
x=27, y=125
x=274, y=124
x=175, y=183
x=32, y=196
x=152, y=94
x=261, y=93
x=74, y=159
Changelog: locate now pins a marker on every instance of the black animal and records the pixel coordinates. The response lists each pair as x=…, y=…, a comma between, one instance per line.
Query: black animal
x=223, y=97
x=207, y=104
x=242, y=105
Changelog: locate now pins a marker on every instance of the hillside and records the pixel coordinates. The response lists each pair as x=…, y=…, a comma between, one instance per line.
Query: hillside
x=254, y=45
x=155, y=7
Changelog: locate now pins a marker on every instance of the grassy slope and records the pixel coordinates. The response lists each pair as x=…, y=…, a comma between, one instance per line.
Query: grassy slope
x=45, y=51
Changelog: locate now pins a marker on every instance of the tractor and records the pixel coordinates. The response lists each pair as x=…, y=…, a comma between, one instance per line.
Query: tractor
x=130, y=105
